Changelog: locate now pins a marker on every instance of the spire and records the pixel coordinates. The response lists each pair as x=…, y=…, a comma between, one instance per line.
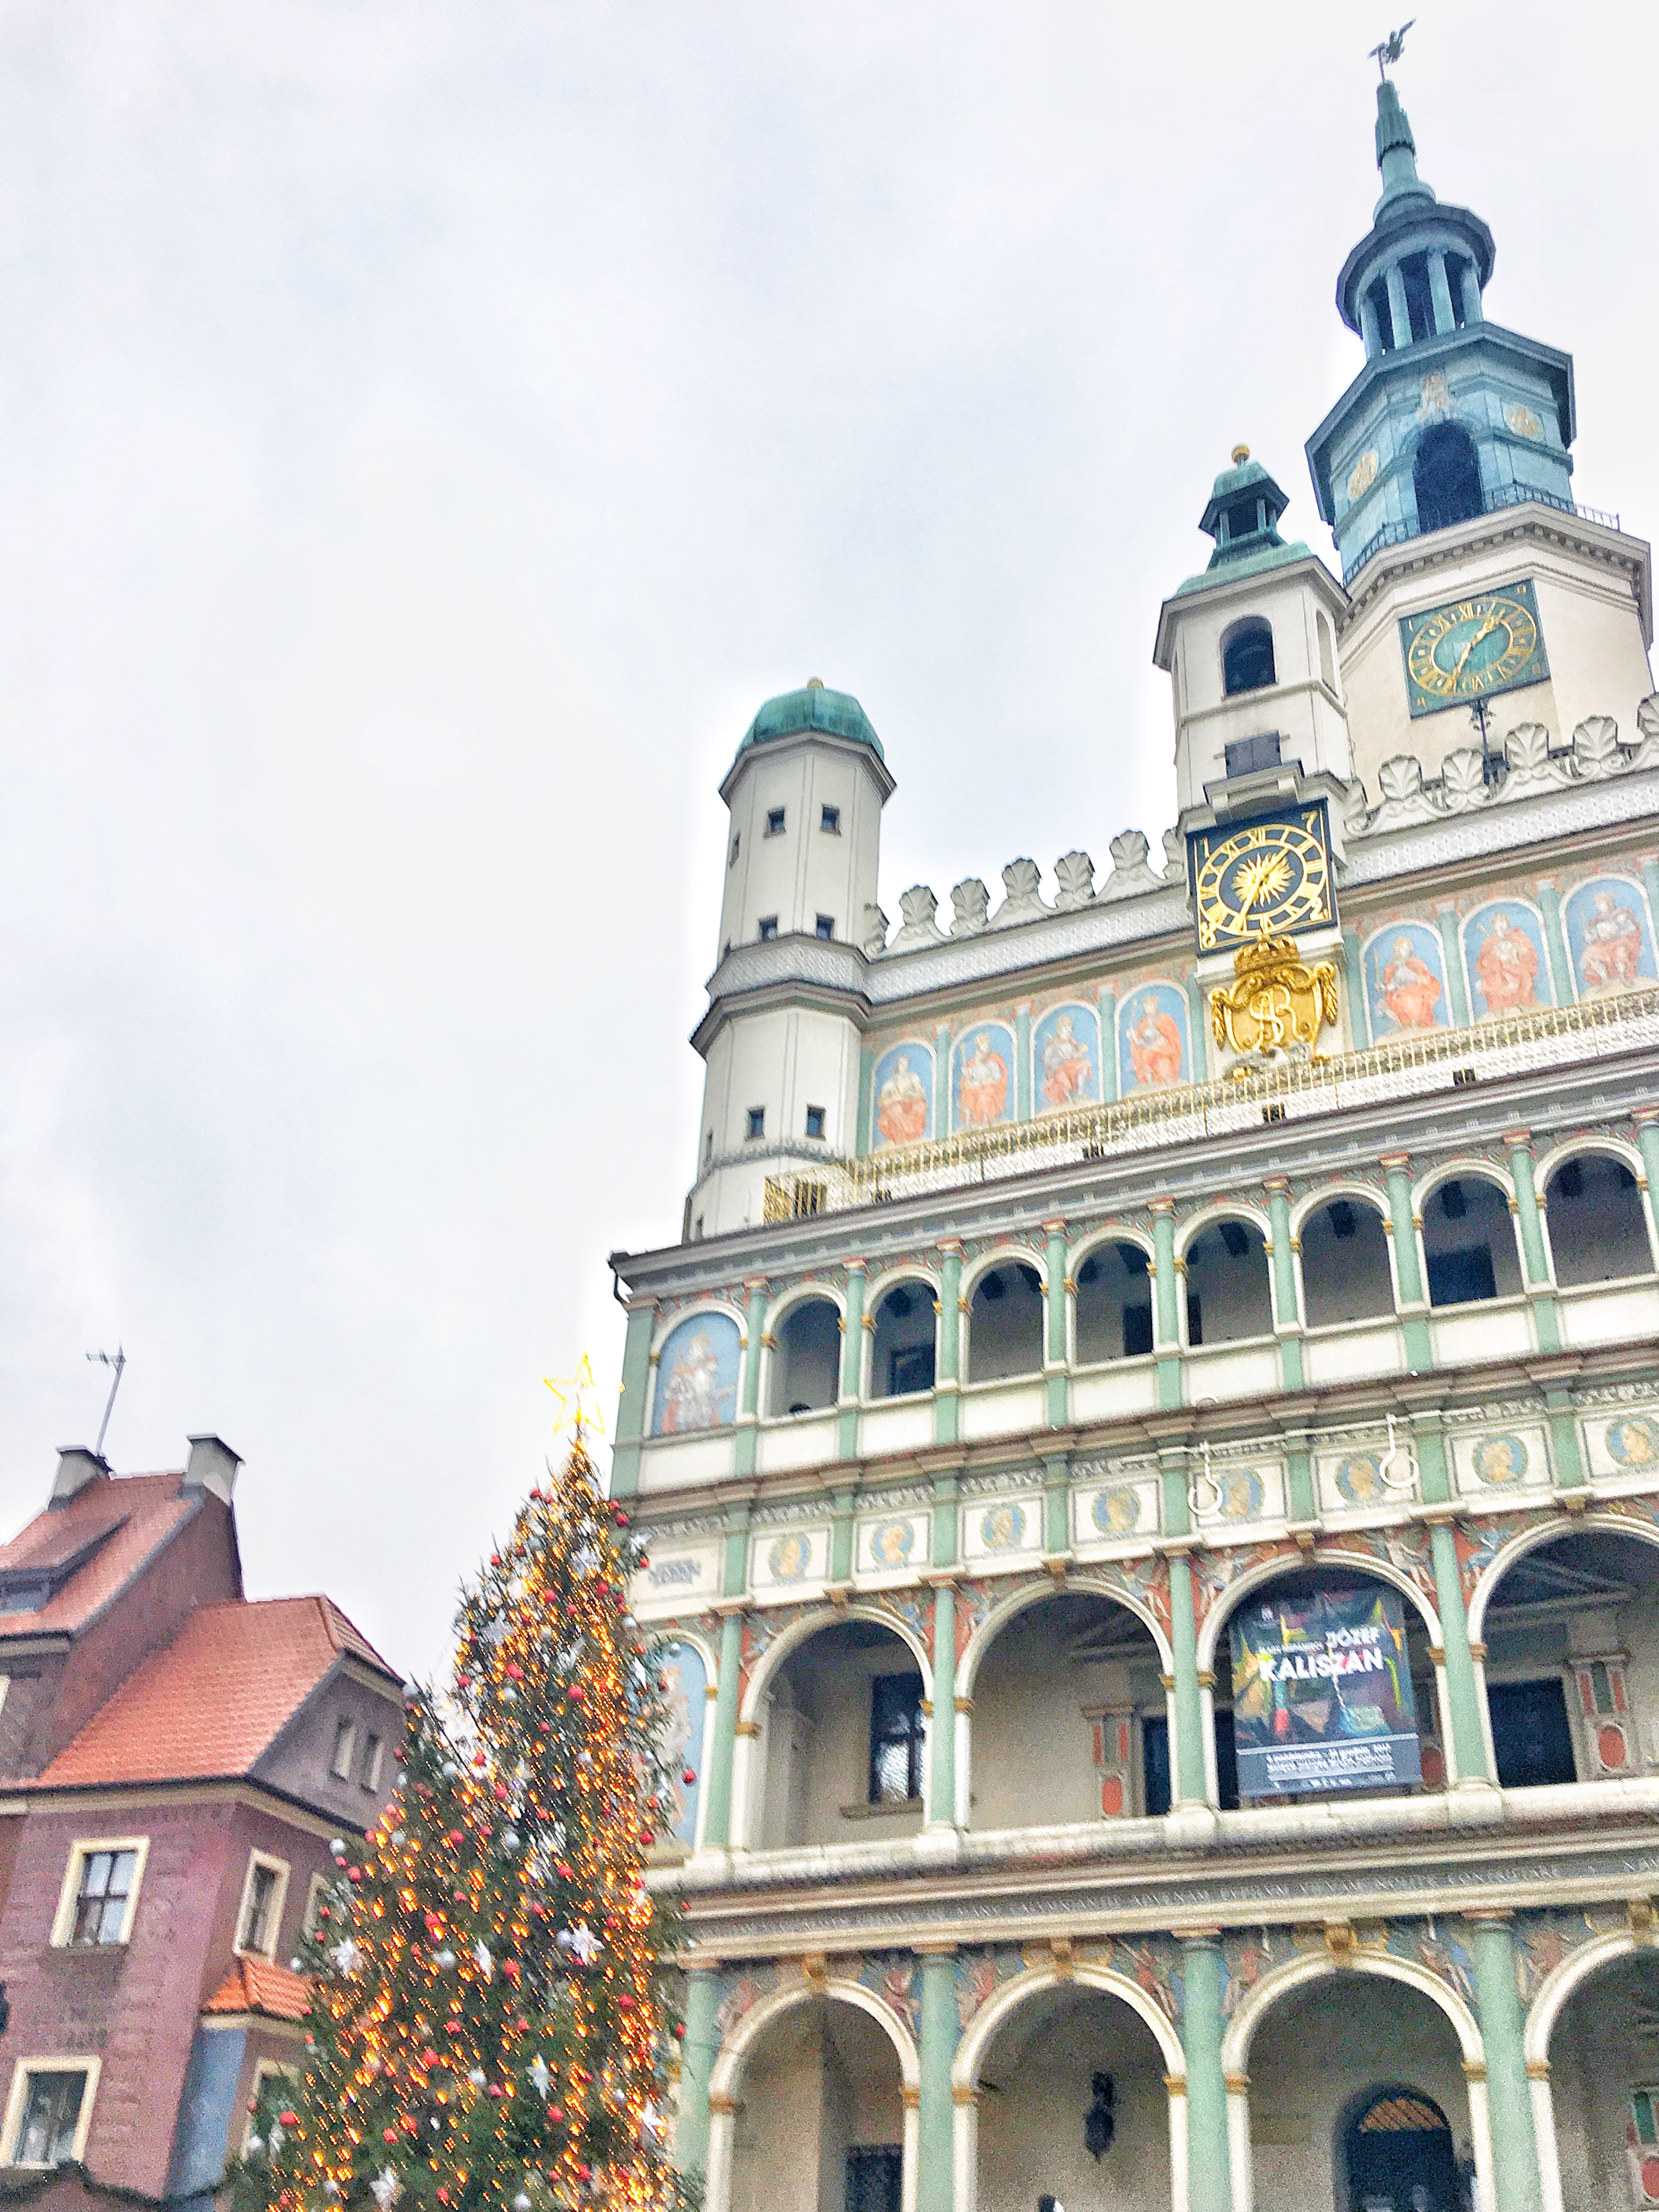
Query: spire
x=1396, y=153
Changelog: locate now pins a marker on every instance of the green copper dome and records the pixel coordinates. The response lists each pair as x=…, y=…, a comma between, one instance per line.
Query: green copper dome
x=837, y=713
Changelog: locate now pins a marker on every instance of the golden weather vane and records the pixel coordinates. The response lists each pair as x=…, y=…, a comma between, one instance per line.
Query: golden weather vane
x=578, y=1398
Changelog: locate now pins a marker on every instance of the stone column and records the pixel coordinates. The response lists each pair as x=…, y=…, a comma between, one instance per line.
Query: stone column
x=1555, y=937
x=947, y=1381
x=1400, y=315
x=1451, y=942
x=1368, y=329
x=1402, y=1230
x=1199, y=1014
x=942, y=1734
x=1281, y=1262
x=942, y=1081
x=1534, y=1260
x=1023, y=1063
x=936, y=2123
x=1056, y=1505
x=722, y=1752
x=1209, y=2184
x=635, y=1389
x=1056, y=1350
x=1166, y=1326
x=852, y=1359
x=1467, y=1761
x=748, y=1404
x=1509, y=2096
x=867, y=1100
x=697, y=2055
x=1472, y=311
x=1440, y=293
x=1646, y=1118
x=1359, y=1012
x=841, y=1503
x=1109, y=1068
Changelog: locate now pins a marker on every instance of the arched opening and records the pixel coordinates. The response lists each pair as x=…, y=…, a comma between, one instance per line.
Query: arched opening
x=1570, y=1631
x=820, y=2125
x=1598, y=1228
x=1071, y=2068
x=1345, y=1264
x=1401, y=2143
x=1446, y=477
x=1327, y=653
x=1468, y=1243
x=1068, y=1702
x=902, y=1344
x=1602, y=2077
x=1005, y=1324
x=1324, y=1687
x=806, y=1358
x=1228, y=1296
x=1247, y=657
x=1113, y=1304
x=842, y=1736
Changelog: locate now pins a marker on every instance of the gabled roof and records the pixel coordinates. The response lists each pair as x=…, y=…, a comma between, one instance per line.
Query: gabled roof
x=70, y=1561
x=260, y=1985
x=215, y=1700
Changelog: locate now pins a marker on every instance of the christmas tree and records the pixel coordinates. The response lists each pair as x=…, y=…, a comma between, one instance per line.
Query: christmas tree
x=489, y=2026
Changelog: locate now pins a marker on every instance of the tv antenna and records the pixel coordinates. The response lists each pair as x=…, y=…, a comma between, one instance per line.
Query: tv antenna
x=1391, y=48
x=118, y=1362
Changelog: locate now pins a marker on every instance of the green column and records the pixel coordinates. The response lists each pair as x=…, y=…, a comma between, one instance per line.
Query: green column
x=1056, y=1505
x=734, y=1579
x=942, y=1748
x=1564, y=1437
x=947, y=1380
x=1108, y=1067
x=1166, y=1328
x=1550, y=899
x=749, y=1408
x=1305, y=1504
x=1057, y=1293
x=941, y=1082
x=1191, y=1783
x=1402, y=1229
x=1209, y=2183
x=1023, y=1063
x=697, y=2055
x=841, y=1536
x=866, y=1098
x=1200, y=1042
x=852, y=1359
x=1646, y=1118
x=1509, y=2094
x=1534, y=1260
x=1359, y=1012
x=936, y=2116
x=1451, y=940
x=635, y=1389
x=1287, y=1312
x=1468, y=1743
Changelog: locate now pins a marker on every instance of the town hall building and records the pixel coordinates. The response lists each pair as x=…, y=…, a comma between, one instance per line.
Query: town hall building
x=1149, y=1434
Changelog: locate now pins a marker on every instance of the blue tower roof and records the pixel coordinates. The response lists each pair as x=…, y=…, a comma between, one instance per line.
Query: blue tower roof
x=837, y=713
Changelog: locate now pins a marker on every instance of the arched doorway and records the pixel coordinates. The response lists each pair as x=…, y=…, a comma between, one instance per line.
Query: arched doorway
x=1397, y=2154
x=1603, y=2080
x=1446, y=477
x=819, y=2114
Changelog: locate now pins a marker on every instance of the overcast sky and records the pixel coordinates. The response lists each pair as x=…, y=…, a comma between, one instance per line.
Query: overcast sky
x=427, y=432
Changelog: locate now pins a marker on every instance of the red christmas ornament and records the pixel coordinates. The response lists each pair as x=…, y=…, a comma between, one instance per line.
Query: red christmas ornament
x=452, y=2027
x=688, y=1778
x=389, y=2135
x=288, y=2119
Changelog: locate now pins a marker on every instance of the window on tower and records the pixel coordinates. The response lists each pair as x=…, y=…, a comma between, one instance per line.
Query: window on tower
x=1376, y=299
x=1245, y=755
x=829, y=822
x=815, y=1120
x=755, y=1121
x=769, y=928
x=774, y=821
x=1420, y=300
x=737, y=843
x=1446, y=477
x=1247, y=657
x=826, y=926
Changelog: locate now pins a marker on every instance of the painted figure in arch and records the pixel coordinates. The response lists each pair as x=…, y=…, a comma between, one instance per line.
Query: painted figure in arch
x=1068, y=1069
x=1506, y=967
x=1155, y=1043
x=902, y=1104
x=1411, y=990
x=983, y=1085
x=1612, y=953
x=691, y=1392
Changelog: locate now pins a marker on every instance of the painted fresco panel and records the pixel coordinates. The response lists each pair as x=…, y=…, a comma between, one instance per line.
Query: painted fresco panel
x=903, y=1095
x=1626, y=1444
x=779, y=1558
x=1117, y=1513
x=1153, y=1045
x=1405, y=980
x=1003, y=1528
x=1501, y=1460
x=982, y=1076
x=1065, y=1059
x=1508, y=968
x=1609, y=937
x=893, y=1545
x=686, y=1674
x=697, y=1377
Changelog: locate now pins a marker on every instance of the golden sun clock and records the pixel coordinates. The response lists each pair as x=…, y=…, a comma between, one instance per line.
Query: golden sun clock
x=1260, y=880
x=1472, y=647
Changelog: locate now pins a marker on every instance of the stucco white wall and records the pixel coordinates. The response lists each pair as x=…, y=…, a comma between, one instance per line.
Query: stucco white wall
x=803, y=871
x=1034, y=2095
x=1033, y=1758
x=823, y=2079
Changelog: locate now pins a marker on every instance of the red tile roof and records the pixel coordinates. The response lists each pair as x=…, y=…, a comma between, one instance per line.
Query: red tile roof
x=216, y=1698
x=134, y=1513
x=257, y=1985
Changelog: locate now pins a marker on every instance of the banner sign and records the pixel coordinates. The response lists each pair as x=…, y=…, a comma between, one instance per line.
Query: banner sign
x=1322, y=1694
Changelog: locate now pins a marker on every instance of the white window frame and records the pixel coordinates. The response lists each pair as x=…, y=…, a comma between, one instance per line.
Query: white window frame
x=263, y=2069
x=75, y=2061
x=278, y=1902
x=82, y=1849
x=345, y=1733
x=315, y=1895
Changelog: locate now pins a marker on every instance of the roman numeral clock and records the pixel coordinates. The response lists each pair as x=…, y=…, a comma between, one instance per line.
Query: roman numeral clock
x=1470, y=648
x=1265, y=878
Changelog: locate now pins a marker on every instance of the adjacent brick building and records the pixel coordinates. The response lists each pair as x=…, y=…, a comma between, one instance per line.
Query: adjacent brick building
x=173, y=1762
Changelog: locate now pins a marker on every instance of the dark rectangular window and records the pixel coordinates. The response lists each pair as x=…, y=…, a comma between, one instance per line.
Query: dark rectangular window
x=51, y=2113
x=829, y=822
x=1246, y=755
x=1194, y=1318
x=737, y=841
x=826, y=925
x=258, y=1933
x=1530, y=1733
x=911, y=1371
x=769, y=928
x=895, y=1739
x=815, y=1120
x=1137, y=1331
x=1154, y=1763
x=874, y=2173
x=775, y=820
x=755, y=1121
x=1420, y=300
x=1458, y=1278
x=100, y=1897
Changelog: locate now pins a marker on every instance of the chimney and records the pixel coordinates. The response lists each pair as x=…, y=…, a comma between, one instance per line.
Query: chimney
x=212, y=1466
x=77, y=1468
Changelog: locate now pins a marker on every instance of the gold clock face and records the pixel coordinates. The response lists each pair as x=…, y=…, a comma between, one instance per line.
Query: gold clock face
x=1268, y=880
x=1476, y=645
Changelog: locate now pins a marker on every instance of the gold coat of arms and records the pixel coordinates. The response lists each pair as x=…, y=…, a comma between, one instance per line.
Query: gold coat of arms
x=1275, y=1001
